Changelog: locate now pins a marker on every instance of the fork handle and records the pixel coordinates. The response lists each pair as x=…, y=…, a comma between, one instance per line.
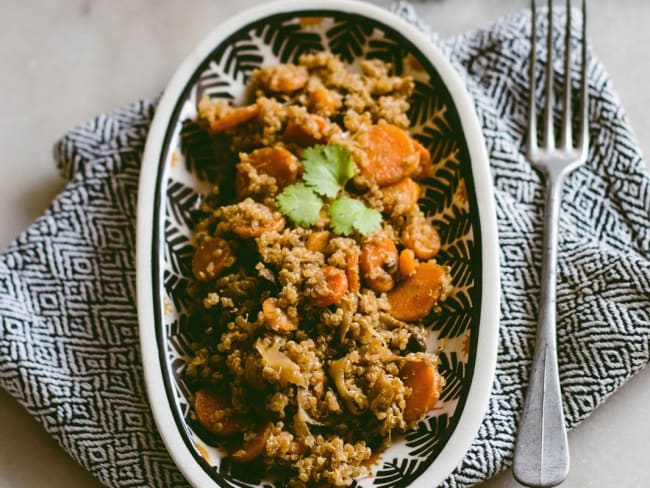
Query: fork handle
x=541, y=457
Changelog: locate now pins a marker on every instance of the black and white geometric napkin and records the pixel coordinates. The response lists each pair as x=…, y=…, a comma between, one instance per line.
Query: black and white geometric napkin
x=69, y=349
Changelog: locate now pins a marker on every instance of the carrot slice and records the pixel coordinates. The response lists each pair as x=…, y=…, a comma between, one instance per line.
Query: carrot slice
x=276, y=162
x=275, y=317
x=391, y=154
x=322, y=101
x=336, y=286
x=257, y=227
x=426, y=385
x=401, y=196
x=254, y=445
x=232, y=119
x=420, y=236
x=425, y=160
x=312, y=130
x=378, y=258
x=407, y=263
x=211, y=258
x=206, y=403
x=317, y=241
x=414, y=298
x=283, y=78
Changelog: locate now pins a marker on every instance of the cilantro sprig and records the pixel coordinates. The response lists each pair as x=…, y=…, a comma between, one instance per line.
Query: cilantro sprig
x=348, y=214
x=327, y=170
x=300, y=204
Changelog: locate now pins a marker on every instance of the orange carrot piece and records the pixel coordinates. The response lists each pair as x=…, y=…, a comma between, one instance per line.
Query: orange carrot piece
x=313, y=130
x=390, y=154
x=276, y=162
x=256, y=228
x=420, y=236
x=337, y=286
x=378, y=259
x=425, y=160
x=322, y=101
x=403, y=195
x=426, y=385
x=211, y=258
x=415, y=297
x=253, y=446
x=232, y=119
x=275, y=317
x=317, y=241
x=283, y=78
x=206, y=403
x=407, y=263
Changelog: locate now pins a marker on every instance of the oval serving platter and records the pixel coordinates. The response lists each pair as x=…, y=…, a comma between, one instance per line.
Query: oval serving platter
x=458, y=199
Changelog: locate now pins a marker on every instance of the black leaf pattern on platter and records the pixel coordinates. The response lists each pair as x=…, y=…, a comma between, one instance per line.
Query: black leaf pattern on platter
x=461, y=273
x=453, y=319
x=347, y=38
x=460, y=249
x=454, y=372
x=389, y=51
x=181, y=340
x=179, y=250
x=242, y=57
x=178, y=370
x=429, y=110
x=439, y=189
x=213, y=85
x=425, y=440
x=183, y=202
x=176, y=288
x=288, y=41
x=198, y=148
x=436, y=134
x=453, y=226
x=396, y=472
x=445, y=149
x=424, y=103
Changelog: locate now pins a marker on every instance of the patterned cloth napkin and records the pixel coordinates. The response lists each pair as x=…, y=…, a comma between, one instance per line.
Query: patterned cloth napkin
x=69, y=348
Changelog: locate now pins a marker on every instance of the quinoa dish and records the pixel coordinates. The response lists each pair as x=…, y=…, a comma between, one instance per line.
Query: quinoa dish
x=315, y=272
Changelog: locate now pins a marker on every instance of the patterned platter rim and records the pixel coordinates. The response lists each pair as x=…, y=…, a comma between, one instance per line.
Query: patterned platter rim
x=150, y=236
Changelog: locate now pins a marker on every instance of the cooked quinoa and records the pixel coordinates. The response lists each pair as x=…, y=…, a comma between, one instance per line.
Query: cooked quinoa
x=311, y=354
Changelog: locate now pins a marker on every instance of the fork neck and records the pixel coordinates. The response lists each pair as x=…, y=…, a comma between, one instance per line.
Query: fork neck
x=554, y=185
x=554, y=177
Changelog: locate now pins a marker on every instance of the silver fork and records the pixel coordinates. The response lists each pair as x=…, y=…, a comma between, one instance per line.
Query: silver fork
x=541, y=457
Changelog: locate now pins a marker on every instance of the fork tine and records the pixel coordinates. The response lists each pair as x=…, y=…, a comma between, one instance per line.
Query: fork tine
x=583, y=142
x=532, y=113
x=566, y=141
x=549, y=133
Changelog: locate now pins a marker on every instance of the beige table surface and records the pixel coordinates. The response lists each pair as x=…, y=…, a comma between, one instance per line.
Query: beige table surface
x=63, y=61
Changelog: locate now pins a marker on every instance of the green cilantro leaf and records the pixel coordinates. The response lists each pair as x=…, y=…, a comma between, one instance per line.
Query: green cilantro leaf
x=327, y=168
x=300, y=203
x=347, y=214
x=368, y=221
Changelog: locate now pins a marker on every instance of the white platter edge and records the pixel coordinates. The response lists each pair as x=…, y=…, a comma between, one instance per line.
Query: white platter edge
x=485, y=362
